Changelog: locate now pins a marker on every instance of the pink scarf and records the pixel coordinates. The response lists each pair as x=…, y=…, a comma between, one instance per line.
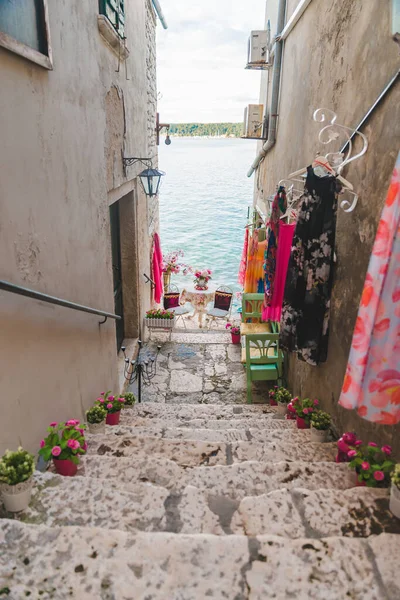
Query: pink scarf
x=243, y=262
x=157, y=267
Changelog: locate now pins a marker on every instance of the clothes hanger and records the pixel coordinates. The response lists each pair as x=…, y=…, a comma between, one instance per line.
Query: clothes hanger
x=327, y=169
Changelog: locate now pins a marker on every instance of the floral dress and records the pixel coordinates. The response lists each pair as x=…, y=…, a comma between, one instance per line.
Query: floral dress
x=305, y=313
x=372, y=381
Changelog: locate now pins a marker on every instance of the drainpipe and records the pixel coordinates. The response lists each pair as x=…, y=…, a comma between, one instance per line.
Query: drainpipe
x=159, y=12
x=276, y=77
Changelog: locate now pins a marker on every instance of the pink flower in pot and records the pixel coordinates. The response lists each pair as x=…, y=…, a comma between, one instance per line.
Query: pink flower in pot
x=379, y=475
x=56, y=451
x=387, y=450
x=73, y=444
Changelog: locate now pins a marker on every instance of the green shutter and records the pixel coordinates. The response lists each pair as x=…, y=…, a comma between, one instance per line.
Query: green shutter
x=114, y=10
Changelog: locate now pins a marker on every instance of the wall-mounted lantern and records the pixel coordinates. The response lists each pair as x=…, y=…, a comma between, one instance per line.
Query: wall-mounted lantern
x=150, y=178
x=159, y=128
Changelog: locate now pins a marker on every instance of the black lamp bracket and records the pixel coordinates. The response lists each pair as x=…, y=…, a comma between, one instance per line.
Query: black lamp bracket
x=129, y=161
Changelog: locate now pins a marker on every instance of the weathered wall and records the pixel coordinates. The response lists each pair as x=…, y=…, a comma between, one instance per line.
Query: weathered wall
x=62, y=134
x=339, y=56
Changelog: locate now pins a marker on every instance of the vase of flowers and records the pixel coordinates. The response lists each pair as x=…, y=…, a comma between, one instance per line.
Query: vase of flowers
x=394, y=504
x=320, y=424
x=202, y=277
x=65, y=444
x=16, y=470
x=172, y=264
x=373, y=465
x=234, y=331
x=283, y=397
x=304, y=409
x=160, y=318
x=96, y=418
x=130, y=399
x=112, y=405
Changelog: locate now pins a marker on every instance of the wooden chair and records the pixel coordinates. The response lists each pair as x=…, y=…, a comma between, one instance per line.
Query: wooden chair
x=171, y=302
x=251, y=315
x=264, y=360
x=222, y=305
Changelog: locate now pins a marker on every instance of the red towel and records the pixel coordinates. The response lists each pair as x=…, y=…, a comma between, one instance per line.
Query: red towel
x=157, y=265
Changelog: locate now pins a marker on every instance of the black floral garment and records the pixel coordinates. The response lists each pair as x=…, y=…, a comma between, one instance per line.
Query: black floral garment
x=305, y=313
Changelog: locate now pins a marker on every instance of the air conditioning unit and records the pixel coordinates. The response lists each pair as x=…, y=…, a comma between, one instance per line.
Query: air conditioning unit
x=258, y=56
x=253, y=121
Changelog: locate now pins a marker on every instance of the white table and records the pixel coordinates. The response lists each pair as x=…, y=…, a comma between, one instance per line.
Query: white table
x=198, y=299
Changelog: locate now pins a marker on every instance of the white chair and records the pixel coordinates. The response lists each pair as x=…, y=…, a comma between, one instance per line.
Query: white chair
x=222, y=305
x=171, y=303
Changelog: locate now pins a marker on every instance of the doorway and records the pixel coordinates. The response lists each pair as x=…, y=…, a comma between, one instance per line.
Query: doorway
x=117, y=271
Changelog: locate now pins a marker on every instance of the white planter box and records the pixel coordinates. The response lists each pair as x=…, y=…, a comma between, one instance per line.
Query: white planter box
x=319, y=435
x=394, y=504
x=97, y=427
x=160, y=323
x=282, y=408
x=16, y=497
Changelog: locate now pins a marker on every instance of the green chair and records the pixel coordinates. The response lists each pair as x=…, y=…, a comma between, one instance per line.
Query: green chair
x=251, y=315
x=264, y=360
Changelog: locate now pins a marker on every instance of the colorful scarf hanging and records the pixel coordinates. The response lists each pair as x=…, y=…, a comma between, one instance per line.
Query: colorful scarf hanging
x=157, y=269
x=243, y=262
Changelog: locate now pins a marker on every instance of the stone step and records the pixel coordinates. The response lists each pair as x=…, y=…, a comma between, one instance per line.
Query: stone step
x=190, y=453
x=358, y=512
x=260, y=422
x=236, y=481
x=213, y=435
x=88, y=563
x=198, y=411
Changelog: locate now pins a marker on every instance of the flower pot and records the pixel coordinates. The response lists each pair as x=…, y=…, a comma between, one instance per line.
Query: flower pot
x=113, y=418
x=235, y=338
x=319, y=435
x=97, y=427
x=273, y=402
x=16, y=497
x=302, y=423
x=160, y=323
x=65, y=467
x=282, y=408
x=290, y=416
x=394, y=504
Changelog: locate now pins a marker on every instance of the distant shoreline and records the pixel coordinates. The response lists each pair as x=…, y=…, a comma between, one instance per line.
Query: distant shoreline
x=206, y=130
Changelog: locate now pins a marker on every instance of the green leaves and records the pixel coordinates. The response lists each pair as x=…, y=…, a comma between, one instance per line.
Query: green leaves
x=16, y=467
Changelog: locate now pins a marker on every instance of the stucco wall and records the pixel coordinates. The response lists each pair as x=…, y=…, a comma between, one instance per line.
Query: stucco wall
x=61, y=168
x=339, y=56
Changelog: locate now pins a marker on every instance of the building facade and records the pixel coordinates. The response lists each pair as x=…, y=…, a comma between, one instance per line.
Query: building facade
x=340, y=56
x=78, y=94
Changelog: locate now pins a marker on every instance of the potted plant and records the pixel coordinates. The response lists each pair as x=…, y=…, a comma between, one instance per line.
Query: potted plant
x=394, y=504
x=291, y=409
x=272, y=396
x=130, y=399
x=202, y=277
x=347, y=442
x=234, y=331
x=304, y=409
x=64, y=444
x=161, y=318
x=16, y=470
x=373, y=465
x=283, y=397
x=320, y=424
x=96, y=418
x=113, y=406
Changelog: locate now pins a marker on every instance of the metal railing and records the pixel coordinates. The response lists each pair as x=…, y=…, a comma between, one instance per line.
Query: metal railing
x=22, y=291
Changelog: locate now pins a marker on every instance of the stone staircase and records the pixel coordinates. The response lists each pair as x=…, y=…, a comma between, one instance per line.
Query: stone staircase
x=183, y=502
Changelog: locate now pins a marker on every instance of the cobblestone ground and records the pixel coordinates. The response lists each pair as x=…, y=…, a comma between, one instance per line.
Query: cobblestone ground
x=195, y=495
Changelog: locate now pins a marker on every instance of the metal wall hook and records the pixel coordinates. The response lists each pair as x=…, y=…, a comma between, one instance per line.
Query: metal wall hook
x=149, y=280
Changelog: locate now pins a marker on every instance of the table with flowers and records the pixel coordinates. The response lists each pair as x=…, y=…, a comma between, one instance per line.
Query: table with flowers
x=198, y=298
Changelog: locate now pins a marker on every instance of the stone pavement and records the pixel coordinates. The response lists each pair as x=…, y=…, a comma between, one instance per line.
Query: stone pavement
x=194, y=496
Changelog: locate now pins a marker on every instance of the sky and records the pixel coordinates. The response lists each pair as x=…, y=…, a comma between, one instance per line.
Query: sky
x=201, y=59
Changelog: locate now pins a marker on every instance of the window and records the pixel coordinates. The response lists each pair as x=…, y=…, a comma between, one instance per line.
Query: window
x=24, y=30
x=114, y=10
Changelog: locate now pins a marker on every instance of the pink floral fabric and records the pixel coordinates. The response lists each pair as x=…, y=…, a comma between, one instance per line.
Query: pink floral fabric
x=372, y=381
x=243, y=262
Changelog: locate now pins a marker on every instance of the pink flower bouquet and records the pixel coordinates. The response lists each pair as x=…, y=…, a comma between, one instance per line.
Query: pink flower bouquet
x=66, y=441
x=372, y=464
x=112, y=404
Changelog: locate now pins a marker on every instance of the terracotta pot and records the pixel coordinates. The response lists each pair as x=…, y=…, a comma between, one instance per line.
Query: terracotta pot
x=282, y=408
x=65, y=467
x=113, y=418
x=16, y=497
x=302, y=423
x=319, y=435
x=97, y=427
x=235, y=338
x=394, y=504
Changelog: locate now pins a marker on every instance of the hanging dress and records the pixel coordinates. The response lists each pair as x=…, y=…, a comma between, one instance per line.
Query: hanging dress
x=243, y=262
x=157, y=269
x=305, y=313
x=273, y=311
x=254, y=281
x=372, y=381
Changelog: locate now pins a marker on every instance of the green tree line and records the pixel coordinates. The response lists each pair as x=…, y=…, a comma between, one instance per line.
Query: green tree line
x=206, y=129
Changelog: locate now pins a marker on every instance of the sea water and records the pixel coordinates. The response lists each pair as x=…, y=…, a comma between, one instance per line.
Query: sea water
x=204, y=202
